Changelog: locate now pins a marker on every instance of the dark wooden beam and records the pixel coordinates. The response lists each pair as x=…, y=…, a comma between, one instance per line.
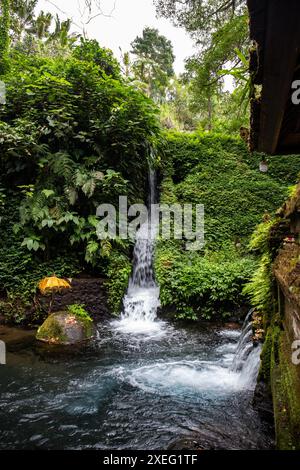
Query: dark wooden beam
x=281, y=52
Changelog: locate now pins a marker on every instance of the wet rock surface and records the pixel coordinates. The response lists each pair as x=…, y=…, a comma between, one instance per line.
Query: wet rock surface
x=64, y=328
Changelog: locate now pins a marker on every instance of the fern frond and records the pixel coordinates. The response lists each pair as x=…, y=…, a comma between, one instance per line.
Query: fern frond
x=61, y=164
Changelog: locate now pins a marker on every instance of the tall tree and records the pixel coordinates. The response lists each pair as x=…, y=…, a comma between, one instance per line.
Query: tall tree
x=199, y=17
x=4, y=34
x=31, y=32
x=41, y=25
x=153, y=64
x=22, y=17
x=207, y=68
x=220, y=30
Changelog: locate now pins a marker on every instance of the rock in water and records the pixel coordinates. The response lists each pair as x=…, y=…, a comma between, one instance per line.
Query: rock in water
x=65, y=328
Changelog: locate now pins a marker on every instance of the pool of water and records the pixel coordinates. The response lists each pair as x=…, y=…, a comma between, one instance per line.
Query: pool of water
x=130, y=391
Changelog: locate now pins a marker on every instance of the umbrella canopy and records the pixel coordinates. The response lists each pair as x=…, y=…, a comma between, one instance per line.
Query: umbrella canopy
x=53, y=284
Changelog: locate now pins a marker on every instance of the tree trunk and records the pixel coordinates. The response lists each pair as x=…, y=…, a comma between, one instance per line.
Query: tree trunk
x=210, y=113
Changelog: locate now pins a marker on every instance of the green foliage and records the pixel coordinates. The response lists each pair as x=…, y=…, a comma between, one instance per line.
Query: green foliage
x=201, y=286
x=90, y=51
x=153, y=62
x=213, y=170
x=281, y=168
x=21, y=269
x=209, y=169
x=73, y=135
x=260, y=238
x=76, y=138
x=221, y=33
x=177, y=112
x=79, y=311
x=4, y=35
x=118, y=272
x=198, y=17
x=259, y=289
x=33, y=32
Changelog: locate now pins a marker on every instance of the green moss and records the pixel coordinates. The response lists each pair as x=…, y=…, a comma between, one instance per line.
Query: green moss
x=269, y=355
x=118, y=276
x=88, y=326
x=51, y=331
x=79, y=311
x=285, y=382
x=282, y=377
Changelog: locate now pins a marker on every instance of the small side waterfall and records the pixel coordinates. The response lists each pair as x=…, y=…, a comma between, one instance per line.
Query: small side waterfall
x=247, y=356
x=142, y=298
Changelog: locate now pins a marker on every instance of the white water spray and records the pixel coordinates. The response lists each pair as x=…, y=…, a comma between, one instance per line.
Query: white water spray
x=247, y=357
x=235, y=370
x=142, y=298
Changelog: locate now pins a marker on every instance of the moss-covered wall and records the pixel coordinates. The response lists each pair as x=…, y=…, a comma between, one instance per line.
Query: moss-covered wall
x=285, y=384
x=279, y=371
x=219, y=172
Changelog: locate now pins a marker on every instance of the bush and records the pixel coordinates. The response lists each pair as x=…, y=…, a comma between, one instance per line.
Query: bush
x=217, y=171
x=79, y=311
x=118, y=273
x=73, y=135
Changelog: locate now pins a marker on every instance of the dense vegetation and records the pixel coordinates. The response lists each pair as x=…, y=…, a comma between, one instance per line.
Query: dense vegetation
x=221, y=37
x=79, y=129
x=73, y=134
x=219, y=172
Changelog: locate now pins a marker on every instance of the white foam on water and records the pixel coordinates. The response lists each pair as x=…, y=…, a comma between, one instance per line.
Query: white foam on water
x=232, y=334
x=220, y=376
x=141, y=301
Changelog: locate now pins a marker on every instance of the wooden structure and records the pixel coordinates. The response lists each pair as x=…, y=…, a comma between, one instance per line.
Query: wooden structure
x=274, y=66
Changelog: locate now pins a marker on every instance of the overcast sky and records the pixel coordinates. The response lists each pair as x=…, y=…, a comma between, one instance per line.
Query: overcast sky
x=123, y=24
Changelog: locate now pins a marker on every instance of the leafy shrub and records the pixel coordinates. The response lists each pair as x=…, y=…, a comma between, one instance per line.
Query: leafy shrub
x=71, y=139
x=73, y=135
x=79, y=311
x=259, y=288
x=217, y=171
x=90, y=51
x=206, y=285
x=118, y=273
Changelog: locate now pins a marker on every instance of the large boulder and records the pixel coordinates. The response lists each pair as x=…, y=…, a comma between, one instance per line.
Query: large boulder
x=65, y=328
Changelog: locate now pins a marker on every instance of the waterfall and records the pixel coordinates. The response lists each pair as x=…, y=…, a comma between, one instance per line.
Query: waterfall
x=142, y=298
x=247, y=356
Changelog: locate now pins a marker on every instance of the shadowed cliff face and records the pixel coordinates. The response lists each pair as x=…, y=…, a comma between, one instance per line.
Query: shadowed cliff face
x=89, y=291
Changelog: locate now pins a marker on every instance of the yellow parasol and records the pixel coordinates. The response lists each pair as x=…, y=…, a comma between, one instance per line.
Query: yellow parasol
x=51, y=285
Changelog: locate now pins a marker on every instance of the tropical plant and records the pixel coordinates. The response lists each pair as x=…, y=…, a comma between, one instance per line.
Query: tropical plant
x=79, y=311
x=220, y=32
x=4, y=34
x=153, y=63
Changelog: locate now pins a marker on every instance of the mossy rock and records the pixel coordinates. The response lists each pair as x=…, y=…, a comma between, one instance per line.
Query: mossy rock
x=65, y=328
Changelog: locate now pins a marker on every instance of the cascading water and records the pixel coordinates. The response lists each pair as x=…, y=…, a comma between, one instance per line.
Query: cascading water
x=127, y=392
x=247, y=357
x=142, y=298
x=238, y=368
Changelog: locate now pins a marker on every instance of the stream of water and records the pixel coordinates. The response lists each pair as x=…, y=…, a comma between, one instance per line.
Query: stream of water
x=129, y=391
x=143, y=383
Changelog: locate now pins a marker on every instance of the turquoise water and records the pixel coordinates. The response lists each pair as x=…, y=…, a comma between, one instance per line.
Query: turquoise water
x=130, y=392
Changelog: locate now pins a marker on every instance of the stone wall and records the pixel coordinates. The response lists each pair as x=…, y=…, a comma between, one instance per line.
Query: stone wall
x=279, y=370
x=285, y=375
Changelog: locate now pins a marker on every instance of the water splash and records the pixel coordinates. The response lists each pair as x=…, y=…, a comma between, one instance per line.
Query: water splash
x=141, y=301
x=235, y=370
x=247, y=357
